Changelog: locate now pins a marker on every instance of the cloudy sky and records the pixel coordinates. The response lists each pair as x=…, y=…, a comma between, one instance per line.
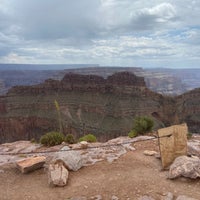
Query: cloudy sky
x=142, y=33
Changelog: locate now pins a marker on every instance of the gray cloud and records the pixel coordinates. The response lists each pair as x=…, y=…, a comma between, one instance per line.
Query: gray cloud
x=50, y=19
x=153, y=18
x=109, y=32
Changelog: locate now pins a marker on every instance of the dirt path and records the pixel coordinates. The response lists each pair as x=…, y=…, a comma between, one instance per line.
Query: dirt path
x=131, y=176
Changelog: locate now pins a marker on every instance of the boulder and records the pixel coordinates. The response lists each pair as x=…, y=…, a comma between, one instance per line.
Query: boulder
x=150, y=153
x=183, y=197
x=185, y=166
x=57, y=174
x=30, y=164
x=72, y=159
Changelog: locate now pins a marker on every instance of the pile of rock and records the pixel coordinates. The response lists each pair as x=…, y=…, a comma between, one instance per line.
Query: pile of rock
x=63, y=161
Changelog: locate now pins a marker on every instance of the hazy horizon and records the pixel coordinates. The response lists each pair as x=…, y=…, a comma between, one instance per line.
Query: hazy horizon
x=23, y=66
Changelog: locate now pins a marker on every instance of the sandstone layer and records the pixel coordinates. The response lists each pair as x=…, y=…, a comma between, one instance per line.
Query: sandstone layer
x=90, y=104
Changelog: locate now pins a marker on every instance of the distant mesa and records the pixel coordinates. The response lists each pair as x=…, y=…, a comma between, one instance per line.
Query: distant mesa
x=78, y=82
x=119, y=78
x=163, y=81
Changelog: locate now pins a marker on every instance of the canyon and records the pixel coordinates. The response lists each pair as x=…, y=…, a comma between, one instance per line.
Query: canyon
x=105, y=107
x=161, y=80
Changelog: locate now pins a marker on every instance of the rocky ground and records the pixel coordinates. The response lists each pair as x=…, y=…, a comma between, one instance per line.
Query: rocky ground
x=122, y=172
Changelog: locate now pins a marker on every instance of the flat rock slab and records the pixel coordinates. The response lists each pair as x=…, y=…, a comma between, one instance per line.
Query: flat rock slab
x=30, y=164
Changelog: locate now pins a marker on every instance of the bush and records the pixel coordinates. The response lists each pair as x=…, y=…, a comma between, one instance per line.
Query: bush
x=189, y=135
x=70, y=139
x=33, y=140
x=143, y=124
x=52, y=138
x=88, y=138
x=132, y=134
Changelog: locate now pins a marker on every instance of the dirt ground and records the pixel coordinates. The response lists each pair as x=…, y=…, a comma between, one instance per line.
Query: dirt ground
x=131, y=176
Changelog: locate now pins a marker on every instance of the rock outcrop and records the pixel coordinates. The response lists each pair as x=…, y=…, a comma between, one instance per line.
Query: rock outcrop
x=185, y=166
x=72, y=159
x=188, y=109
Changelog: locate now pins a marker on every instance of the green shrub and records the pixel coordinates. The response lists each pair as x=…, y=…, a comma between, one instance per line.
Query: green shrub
x=88, y=138
x=33, y=140
x=132, y=134
x=52, y=138
x=189, y=135
x=69, y=138
x=143, y=124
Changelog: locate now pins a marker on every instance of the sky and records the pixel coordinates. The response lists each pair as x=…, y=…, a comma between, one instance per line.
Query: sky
x=134, y=33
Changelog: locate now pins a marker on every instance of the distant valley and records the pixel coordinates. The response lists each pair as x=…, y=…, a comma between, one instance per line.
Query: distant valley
x=105, y=107
x=163, y=81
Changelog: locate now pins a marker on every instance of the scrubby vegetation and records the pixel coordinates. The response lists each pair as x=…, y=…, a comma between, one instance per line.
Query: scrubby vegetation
x=141, y=125
x=88, y=138
x=52, y=138
x=132, y=134
x=33, y=140
x=59, y=115
x=189, y=135
x=69, y=138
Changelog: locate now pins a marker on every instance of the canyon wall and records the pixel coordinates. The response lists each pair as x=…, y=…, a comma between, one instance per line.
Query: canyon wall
x=88, y=104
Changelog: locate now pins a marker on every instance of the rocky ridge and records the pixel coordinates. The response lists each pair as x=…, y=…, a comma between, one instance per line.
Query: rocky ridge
x=91, y=104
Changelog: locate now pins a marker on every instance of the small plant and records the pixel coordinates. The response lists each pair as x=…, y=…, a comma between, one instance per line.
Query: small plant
x=69, y=138
x=33, y=140
x=52, y=138
x=189, y=135
x=132, y=134
x=143, y=124
x=88, y=138
x=59, y=115
x=22, y=155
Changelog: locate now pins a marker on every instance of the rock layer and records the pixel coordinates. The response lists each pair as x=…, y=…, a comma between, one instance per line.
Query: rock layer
x=90, y=104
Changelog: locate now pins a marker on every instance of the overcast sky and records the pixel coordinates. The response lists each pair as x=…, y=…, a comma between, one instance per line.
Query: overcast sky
x=140, y=33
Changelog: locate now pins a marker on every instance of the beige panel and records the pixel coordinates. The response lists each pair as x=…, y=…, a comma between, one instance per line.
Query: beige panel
x=173, y=146
x=180, y=140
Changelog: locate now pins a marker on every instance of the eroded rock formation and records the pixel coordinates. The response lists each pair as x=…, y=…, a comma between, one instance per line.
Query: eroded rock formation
x=88, y=104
